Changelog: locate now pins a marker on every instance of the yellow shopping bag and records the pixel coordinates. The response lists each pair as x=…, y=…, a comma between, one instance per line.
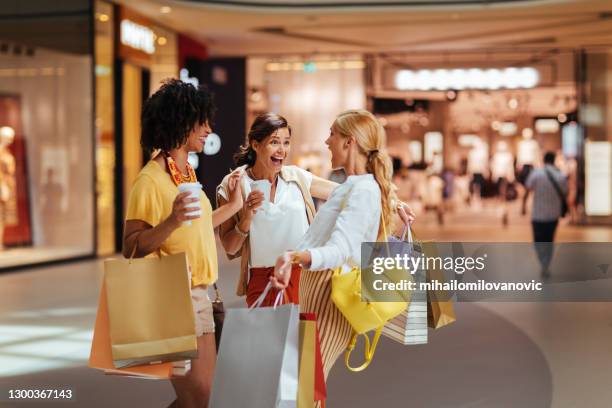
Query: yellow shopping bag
x=440, y=310
x=151, y=317
x=306, y=377
x=101, y=358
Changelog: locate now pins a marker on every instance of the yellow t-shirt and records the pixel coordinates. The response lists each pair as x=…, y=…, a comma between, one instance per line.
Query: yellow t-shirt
x=151, y=201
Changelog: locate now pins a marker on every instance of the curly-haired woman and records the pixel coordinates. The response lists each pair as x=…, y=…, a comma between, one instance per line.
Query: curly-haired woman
x=176, y=121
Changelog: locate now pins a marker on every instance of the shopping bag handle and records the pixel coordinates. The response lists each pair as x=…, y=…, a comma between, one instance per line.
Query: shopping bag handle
x=133, y=253
x=407, y=234
x=369, y=349
x=278, y=300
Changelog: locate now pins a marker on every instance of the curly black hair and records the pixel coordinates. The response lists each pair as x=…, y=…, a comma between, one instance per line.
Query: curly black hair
x=171, y=113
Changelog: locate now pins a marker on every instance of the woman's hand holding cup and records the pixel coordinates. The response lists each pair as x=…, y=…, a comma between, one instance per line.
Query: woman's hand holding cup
x=186, y=205
x=253, y=201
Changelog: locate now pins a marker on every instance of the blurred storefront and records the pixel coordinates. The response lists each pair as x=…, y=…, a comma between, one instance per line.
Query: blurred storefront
x=467, y=120
x=73, y=76
x=47, y=210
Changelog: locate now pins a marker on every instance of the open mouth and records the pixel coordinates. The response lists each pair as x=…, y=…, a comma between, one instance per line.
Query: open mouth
x=277, y=161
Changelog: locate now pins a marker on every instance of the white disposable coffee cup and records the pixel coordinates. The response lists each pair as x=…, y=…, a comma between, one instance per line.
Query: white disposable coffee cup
x=194, y=190
x=264, y=186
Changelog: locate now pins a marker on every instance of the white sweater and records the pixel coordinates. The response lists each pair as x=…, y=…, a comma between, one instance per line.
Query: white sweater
x=350, y=216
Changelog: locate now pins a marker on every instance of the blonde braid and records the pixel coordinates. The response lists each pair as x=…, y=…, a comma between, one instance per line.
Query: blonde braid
x=370, y=136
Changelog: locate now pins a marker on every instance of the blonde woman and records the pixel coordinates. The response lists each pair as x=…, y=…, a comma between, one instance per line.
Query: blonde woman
x=352, y=215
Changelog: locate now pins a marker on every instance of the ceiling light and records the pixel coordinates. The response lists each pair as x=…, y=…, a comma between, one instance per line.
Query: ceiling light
x=512, y=78
x=441, y=79
x=529, y=77
x=493, y=78
x=165, y=9
x=473, y=78
x=162, y=41
x=103, y=18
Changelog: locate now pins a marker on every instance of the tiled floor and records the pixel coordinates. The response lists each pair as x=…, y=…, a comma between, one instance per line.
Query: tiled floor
x=495, y=355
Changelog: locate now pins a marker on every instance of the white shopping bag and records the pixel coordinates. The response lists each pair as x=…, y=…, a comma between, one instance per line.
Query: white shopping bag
x=257, y=364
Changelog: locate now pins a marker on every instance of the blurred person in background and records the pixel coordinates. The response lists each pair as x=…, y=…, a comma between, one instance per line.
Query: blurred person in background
x=549, y=188
x=448, y=176
x=502, y=173
x=401, y=180
x=432, y=192
x=477, y=167
x=462, y=185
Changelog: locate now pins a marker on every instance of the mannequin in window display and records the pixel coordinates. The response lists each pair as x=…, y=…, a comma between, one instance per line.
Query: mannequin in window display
x=433, y=192
x=477, y=167
x=7, y=176
x=462, y=184
x=502, y=172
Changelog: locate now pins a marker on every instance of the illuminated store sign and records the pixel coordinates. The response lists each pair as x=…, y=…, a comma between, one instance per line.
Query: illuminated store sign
x=598, y=175
x=473, y=78
x=137, y=36
x=547, y=125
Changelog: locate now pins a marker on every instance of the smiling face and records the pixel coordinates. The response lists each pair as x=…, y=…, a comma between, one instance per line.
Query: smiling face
x=339, y=147
x=197, y=137
x=273, y=150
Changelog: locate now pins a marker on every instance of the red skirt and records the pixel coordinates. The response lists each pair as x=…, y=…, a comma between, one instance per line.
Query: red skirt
x=259, y=278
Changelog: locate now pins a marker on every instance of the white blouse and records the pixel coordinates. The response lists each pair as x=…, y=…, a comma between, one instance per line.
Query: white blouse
x=335, y=235
x=279, y=226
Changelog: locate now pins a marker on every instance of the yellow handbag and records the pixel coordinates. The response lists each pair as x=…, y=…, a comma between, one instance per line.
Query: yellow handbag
x=363, y=316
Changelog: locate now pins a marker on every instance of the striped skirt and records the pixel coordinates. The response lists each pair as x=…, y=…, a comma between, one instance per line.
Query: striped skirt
x=334, y=330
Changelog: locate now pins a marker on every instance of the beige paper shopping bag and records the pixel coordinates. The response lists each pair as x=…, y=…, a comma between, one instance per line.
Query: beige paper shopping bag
x=149, y=308
x=101, y=358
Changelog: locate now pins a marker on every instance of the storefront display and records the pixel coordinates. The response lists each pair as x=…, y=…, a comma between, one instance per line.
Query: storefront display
x=15, y=223
x=46, y=148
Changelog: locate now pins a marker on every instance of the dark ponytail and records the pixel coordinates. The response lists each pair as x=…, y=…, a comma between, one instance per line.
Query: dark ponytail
x=264, y=126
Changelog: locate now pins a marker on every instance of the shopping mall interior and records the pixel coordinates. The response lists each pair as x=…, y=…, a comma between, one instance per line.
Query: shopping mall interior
x=471, y=94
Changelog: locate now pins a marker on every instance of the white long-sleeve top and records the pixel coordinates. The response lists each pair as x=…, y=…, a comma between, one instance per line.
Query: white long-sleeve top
x=337, y=231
